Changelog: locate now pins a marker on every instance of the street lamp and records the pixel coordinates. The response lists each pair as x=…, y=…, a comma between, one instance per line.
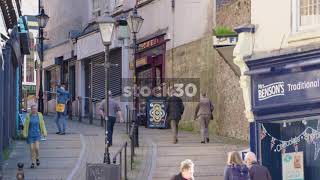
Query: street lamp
x=43, y=19
x=106, y=26
x=135, y=22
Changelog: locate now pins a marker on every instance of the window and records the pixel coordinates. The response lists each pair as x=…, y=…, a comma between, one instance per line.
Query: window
x=30, y=70
x=96, y=11
x=29, y=73
x=119, y=3
x=307, y=14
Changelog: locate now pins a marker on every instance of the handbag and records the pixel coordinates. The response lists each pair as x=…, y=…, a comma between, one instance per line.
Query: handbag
x=60, y=108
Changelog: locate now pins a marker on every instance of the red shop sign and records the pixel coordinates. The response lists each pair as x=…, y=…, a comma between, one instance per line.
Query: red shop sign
x=149, y=43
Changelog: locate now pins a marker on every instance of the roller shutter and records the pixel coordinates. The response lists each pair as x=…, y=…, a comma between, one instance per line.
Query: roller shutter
x=98, y=74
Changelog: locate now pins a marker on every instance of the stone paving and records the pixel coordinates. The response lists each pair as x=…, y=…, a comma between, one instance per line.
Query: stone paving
x=65, y=157
x=165, y=158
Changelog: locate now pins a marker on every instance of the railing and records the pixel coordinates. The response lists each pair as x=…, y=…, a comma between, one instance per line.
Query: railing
x=119, y=153
x=92, y=102
x=132, y=150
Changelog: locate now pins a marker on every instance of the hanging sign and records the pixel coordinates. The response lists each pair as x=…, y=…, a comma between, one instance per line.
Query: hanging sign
x=283, y=89
x=292, y=166
x=139, y=62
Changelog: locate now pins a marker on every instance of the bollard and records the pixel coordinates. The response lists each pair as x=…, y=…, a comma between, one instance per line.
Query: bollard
x=20, y=173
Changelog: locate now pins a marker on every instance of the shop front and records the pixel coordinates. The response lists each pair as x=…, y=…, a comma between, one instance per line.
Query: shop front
x=285, y=93
x=150, y=64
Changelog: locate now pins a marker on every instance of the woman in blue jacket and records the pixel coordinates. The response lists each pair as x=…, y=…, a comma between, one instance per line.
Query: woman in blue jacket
x=61, y=118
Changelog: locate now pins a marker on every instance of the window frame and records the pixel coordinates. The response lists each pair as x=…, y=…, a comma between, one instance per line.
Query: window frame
x=96, y=10
x=296, y=28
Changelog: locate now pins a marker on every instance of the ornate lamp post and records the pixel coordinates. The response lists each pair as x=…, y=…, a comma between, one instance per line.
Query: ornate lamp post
x=106, y=26
x=135, y=22
x=43, y=19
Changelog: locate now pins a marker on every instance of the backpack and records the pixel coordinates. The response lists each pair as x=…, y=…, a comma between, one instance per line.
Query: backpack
x=240, y=172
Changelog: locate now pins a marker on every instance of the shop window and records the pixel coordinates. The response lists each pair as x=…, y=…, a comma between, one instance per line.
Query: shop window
x=30, y=70
x=29, y=73
x=296, y=142
x=51, y=82
x=306, y=14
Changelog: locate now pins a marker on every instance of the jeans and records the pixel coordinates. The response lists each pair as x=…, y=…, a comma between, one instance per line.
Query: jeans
x=61, y=118
x=110, y=124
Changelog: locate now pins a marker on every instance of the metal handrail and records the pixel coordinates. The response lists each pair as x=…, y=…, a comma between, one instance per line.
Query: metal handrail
x=132, y=151
x=119, y=153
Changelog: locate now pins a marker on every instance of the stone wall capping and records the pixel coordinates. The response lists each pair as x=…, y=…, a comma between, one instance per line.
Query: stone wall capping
x=250, y=28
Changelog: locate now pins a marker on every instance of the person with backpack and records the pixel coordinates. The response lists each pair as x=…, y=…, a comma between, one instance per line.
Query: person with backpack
x=235, y=169
x=34, y=128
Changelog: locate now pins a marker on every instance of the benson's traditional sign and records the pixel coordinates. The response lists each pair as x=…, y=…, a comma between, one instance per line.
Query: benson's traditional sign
x=270, y=90
x=156, y=112
x=292, y=166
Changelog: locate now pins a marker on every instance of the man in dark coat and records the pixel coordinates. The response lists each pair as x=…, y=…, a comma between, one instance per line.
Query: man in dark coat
x=256, y=171
x=174, y=112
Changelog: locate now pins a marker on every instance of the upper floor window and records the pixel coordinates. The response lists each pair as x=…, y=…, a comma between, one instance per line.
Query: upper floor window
x=306, y=14
x=96, y=8
x=118, y=3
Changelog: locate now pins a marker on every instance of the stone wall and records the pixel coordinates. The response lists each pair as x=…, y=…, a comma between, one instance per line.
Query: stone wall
x=231, y=116
x=233, y=14
x=199, y=59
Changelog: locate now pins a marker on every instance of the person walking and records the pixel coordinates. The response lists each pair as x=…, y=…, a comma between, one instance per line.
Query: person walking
x=34, y=128
x=256, y=171
x=186, y=171
x=61, y=118
x=203, y=112
x=174, y=112
x=114, y=110
x=235, y=169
